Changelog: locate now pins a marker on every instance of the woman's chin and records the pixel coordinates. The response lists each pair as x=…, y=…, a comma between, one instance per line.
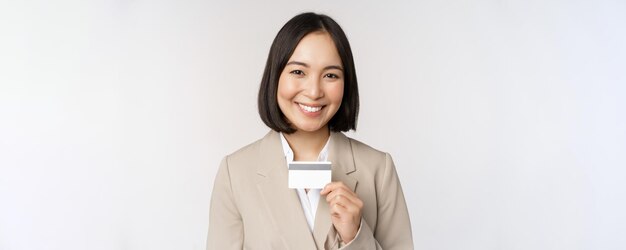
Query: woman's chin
x=309, y=128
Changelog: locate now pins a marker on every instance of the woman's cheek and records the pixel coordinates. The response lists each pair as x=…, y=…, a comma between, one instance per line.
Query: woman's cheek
x=287, y=89
x=336, y=93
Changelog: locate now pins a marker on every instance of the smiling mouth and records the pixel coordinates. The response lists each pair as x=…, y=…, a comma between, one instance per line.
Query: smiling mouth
x=310, y=109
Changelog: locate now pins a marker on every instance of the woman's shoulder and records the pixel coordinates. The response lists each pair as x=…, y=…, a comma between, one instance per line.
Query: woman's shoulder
x=255, y=150
x=369, y=163
x=360, y=146
x=363, y=151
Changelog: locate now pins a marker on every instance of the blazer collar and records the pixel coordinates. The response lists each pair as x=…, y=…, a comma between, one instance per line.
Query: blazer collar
x=283, y=203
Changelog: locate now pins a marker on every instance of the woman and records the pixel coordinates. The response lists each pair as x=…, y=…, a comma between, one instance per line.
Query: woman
x=308, y=96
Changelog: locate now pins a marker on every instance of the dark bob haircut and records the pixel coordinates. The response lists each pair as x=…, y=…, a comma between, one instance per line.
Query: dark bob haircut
x=282, y=48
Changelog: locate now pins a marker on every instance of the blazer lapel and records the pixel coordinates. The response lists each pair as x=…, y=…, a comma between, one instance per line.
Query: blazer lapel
x=281, y=202
x=341, y=157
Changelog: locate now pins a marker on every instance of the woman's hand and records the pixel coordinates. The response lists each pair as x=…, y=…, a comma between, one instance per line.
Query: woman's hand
x=345, y=209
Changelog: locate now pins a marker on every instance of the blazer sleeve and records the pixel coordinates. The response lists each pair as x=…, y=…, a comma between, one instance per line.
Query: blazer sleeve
x=225, y=223
x=393, y=228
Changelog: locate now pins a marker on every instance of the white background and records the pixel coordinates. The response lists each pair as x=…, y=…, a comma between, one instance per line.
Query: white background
x=505, y=118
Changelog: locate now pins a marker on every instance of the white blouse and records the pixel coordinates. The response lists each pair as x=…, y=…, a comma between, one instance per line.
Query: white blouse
x=308, y=200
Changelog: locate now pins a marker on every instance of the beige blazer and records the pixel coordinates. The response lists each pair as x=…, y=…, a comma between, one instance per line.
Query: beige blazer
x=252, y=207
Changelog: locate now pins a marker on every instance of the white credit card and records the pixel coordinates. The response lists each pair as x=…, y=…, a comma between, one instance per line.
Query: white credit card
x=309, y=174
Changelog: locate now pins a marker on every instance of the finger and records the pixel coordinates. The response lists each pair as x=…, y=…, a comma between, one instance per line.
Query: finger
x=352, y=207
x=348, y=194
x=335, y=189
x=344, y=213
x=338, y=189
x=347, y=202
x=337, y=209
x=332, y=186
x=325, y=188
x=337, y=194
x=343, y=190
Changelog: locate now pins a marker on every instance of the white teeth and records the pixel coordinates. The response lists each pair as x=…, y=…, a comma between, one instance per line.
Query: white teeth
x=310, y=109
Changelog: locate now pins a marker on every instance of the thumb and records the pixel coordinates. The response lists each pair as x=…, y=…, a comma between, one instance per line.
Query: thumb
x=325, y=190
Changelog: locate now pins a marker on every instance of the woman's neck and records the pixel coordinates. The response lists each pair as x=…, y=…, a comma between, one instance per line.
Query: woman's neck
x=306, y=146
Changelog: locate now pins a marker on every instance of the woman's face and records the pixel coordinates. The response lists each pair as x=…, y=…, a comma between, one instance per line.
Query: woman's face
x=310, y=88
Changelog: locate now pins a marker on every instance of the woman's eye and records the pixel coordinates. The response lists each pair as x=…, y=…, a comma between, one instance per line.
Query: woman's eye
x=297, y=72
x=331, y=75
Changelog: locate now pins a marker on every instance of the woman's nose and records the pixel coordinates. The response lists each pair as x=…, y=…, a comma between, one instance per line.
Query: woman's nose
x=313, y=88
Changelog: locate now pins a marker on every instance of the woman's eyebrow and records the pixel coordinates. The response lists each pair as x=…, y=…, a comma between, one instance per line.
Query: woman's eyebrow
x=333, y=67
x=307, y=66
x=298, y=63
